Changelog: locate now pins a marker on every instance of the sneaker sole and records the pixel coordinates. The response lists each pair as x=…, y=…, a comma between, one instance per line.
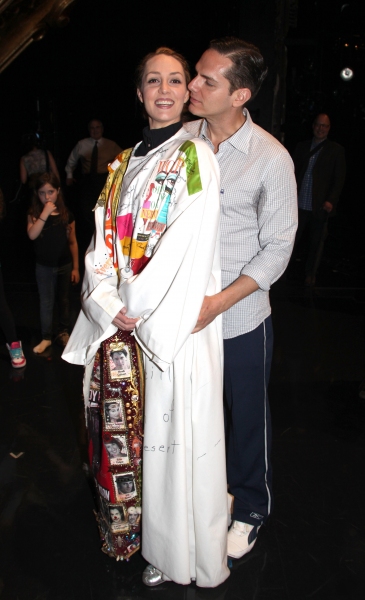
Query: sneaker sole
x=245, y=551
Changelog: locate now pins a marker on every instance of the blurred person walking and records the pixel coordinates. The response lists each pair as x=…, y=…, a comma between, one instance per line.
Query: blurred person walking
x=94, y=153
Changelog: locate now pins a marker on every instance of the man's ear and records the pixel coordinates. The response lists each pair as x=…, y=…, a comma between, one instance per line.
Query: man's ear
x=140, y=97
x=241, y=96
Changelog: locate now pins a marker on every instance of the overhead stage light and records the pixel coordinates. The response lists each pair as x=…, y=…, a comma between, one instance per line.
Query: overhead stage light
x=346, y=74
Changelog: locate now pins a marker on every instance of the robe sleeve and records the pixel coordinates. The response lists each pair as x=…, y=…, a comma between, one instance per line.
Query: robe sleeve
x=168, y=294
x=100, y=300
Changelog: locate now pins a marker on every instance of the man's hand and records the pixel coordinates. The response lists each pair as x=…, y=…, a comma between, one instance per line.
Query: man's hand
x=70, y=181
x=122, y=322
x=215, y=305
x=328, y=207
x=208, y=312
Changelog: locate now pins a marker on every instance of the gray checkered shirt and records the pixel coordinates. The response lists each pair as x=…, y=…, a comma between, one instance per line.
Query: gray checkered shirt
x=259, y=217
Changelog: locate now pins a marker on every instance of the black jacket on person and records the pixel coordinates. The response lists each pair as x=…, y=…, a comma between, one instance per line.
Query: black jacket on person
x=329, y=172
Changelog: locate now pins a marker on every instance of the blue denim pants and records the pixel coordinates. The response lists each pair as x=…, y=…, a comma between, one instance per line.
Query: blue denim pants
x=53, y=283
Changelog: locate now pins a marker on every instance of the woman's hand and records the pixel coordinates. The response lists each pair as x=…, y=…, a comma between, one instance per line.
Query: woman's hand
x=123, y=322
x=75, y=276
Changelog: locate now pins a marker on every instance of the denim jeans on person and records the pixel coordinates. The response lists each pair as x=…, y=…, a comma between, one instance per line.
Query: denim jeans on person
x=53, y=283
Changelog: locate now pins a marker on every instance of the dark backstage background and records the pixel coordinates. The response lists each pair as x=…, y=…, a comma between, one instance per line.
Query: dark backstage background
x=313, y=546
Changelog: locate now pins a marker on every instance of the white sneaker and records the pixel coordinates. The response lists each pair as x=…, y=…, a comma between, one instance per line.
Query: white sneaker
x=241, y=539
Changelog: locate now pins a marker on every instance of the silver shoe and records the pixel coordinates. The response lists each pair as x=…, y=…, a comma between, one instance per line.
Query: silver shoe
x=152, y=576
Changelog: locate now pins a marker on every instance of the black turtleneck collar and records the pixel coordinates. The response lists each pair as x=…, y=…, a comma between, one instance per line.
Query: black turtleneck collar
x=154, y=137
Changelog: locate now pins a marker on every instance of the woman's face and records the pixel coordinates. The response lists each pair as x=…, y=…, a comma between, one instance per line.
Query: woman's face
x=47, y=193
x=114, y=411
x=163, y=91
x=113, y=449
x=115, y=515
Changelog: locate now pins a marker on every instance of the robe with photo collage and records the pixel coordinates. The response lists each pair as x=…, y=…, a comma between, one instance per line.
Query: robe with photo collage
x=184, y=496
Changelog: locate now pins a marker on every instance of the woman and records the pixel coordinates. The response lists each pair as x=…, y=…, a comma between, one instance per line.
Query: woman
x=150, y=268
x=36, y=161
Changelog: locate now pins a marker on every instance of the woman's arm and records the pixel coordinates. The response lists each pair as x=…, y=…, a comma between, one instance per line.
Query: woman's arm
x=53, y=165
x=35, y=226
x=74, y=249
x=23, y=171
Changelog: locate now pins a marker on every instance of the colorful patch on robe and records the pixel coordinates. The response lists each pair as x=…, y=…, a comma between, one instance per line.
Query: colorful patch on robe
x=138, y=242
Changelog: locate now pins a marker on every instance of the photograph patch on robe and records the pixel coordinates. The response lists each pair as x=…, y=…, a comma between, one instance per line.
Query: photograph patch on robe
x=125, y=486
x=114, y=416
x=134, y=517
x=117, y=518
x=117, y=449
x=119, y=361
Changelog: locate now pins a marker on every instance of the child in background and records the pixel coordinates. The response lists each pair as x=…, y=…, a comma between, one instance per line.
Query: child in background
x=6, y=318
x=52, y=227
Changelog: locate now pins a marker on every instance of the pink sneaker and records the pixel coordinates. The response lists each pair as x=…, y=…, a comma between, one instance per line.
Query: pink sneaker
x=16, y=355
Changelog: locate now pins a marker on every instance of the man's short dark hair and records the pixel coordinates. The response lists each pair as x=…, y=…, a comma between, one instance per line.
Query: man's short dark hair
x=248, y=69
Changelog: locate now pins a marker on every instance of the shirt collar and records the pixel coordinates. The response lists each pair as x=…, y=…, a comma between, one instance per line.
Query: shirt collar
x=240, y=139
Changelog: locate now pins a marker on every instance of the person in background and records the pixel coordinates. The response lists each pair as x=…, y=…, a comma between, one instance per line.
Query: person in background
x=7, y=324
x=52, y=227
x=320, y=170
x=94, y=153
x=36, y=161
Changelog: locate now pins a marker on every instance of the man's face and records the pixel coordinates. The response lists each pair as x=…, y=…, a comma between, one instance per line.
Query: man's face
x=96, y=130
x=119, y=360
x=133, y=518
x=126, y=486
x=209, y=90
x=321, y=127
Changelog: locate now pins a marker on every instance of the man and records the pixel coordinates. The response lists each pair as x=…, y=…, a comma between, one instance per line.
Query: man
x=258, y=224
x=85, y=151
x=94, y=154
x=320, y=170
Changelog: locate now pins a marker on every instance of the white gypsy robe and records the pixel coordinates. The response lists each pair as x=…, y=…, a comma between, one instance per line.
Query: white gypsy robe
x=184, y=498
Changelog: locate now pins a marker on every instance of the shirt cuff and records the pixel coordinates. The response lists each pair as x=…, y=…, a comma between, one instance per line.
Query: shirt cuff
x=257, y=275
x=108, y=302
x=161, y=364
